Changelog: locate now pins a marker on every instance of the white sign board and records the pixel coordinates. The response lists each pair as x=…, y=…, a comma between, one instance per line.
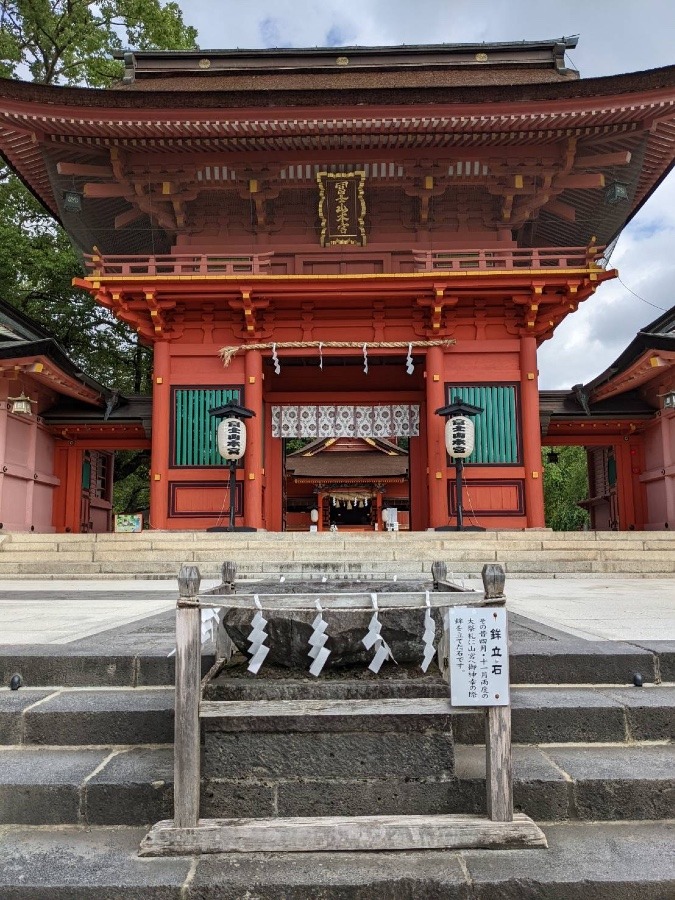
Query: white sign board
x=479, y=656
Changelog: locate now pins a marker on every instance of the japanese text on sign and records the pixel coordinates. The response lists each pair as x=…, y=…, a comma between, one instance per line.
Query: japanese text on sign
x=342, y=208
x=479, y=656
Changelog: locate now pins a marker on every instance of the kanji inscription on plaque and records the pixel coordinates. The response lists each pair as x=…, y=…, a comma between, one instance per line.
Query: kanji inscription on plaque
x=342, y=208
x=479, y=656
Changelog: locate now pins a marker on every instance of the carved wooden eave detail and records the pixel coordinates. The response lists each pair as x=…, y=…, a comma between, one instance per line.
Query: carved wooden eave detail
x=435, y=308
x=251, y=308
x=44, y=371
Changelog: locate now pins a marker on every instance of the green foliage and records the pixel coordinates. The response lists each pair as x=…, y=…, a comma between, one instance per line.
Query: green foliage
x=37, y=265
x=72, y=41
x=295, y=444
x=131, y=490
x=565, y=484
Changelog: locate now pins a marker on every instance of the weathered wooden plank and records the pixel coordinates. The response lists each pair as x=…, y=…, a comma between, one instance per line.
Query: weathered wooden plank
x=499, y=763
x=341, y=833
x=263, y=709
x=188, y=695
x=412, y=600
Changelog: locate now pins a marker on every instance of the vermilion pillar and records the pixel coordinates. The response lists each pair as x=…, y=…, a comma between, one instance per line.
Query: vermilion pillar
x=66, y=510
x=437, y=479
x=161, y=438
x=253, y=460
x=531, y=433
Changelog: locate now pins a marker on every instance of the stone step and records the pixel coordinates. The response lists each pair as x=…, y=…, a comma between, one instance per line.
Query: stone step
x=560, y=661
x=133, y=785
x=108, y=716
x=605, y=861
x=160, y=554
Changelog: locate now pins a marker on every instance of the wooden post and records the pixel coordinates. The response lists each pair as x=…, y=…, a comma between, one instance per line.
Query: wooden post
x=224, y=647
x=443, y=652
x=499, y=768
x=494, y=577
x=188, y=687
x=439, y=572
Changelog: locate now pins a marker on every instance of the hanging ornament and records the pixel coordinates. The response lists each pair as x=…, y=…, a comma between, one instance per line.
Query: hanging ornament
x=257, y=639
x=209, y=623
x=317, y=643
x=373, y=638
x=275, y=360
x=428, y=635
x=365, y=359
x=320, y=355
x=409, y=364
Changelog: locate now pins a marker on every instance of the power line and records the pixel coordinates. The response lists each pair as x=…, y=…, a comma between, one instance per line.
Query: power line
x=648, y=302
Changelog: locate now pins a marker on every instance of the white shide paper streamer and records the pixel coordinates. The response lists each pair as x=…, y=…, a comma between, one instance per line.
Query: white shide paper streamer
x=428, y=636
x=374, y=638
x=257, y=639
x=317, y=643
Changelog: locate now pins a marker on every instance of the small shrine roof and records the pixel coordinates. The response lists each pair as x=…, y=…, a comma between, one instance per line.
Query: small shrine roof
x=327, y=459
x=25, y=341
x=317, y=67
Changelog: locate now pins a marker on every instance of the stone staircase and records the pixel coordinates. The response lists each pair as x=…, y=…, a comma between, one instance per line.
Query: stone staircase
x=159, y=554
x=86, y=764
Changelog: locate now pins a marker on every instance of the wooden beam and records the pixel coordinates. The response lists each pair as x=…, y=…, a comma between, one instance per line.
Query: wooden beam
x=251, y=715
x=561, y=210
x=88, y=171
x=126, y=218
x=587, y=180
x=341, y=833
x=105, y=191
x=621, y=158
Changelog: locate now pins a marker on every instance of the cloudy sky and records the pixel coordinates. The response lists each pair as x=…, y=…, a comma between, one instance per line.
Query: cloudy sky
x=617, y=36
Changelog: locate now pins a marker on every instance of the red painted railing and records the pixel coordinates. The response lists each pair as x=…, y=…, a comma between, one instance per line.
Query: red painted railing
x=178, y=264
x=425, y=261
x=530, y=258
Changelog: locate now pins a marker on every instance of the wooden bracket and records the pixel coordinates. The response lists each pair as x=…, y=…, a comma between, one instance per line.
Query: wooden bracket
x=250, y=309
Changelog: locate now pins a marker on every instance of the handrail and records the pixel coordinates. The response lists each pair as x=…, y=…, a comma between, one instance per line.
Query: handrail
x=481, y=259
x=508, y=258
x=178, y=264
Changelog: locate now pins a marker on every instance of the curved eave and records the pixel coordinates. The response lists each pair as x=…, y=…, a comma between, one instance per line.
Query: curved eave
x=33, y=117
x=585, y=89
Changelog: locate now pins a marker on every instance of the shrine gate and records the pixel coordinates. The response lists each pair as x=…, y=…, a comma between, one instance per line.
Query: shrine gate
x=363, y=234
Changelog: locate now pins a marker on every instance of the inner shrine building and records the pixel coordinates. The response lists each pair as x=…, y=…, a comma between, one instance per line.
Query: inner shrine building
x=342, y=240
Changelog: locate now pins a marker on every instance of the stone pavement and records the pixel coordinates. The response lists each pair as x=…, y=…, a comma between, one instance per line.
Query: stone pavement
x=614, y=609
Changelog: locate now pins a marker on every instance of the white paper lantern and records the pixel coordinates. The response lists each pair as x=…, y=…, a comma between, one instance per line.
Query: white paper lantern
x=231, y=439
x=314, y=516
x=459, y=437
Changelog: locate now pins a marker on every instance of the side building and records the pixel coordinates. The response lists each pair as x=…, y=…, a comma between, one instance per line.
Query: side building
x=50, y=478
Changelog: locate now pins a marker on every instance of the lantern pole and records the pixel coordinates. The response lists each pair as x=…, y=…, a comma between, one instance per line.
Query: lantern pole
x=459, y=469
x=458, y=408
x=233, y=410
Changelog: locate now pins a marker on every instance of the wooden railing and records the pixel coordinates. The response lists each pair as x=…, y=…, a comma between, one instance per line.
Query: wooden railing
x=178, y=264
x=530, y=258
x=481, y=260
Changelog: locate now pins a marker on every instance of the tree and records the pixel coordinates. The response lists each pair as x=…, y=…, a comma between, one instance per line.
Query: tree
x=72, y=42
x=565, y=484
